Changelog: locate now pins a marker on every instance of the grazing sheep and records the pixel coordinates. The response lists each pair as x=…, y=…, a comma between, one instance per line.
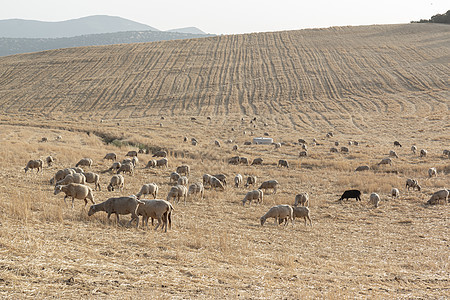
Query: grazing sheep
x=174, y=176
x=58, y=138
x=334, y=150
x=158, y=209
x=207, y=179
x=35, y=164
x=131, y=153
x=250, y=180
x=127, y=161
x=185, y=139
x=44, y=139
x=301, y=212
x=194, y=143
x=395, y=193
x=196, y=188
x=184, y=169
x=75, y=190
x=78, y=170
x=183, y=180
x=93, y=178
x=303, y=153
x=216, y=183
x=392, y=153
x=302, y=199
x=151, y=164
x=194, y=140
x=134, y=161
x=176, y=192
x=355, y=143
x=385, y=161
x=235, y=148
x=446, y=153
x=301, y=141
x=256, y=195
x=412, y=183
x=374, y=199
x=115, y=167
x=277, y=145
x=49, y=161
x=344, y=150
x=423, y=153
x=247, y=143
x=162, y=162
x=304, y=147
x=437, y=196
x=269, y=184
x=148, y=189
x=72, y=178
x=351, y=194
x=238, y=180
x=160, y=153
x=61, y=174
x=336, y=144
x=118, y=206
x=279, y=212
x=217, y=143
x=243, y=160
x=432, y=172
x=141, y=151
x=257, y=161
x=126, y=168
x=283, y=163
x=396, y=143
x=413, y=149
x=116, y=181
x=84, y=162
x=234, y=160
x=111, y=156
x=222, y=178
x=362, y=168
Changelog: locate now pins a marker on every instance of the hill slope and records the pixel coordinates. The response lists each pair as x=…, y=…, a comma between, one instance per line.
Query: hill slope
x=336, y=77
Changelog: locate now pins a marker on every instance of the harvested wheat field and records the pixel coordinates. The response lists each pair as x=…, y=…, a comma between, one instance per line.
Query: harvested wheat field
x=369, y=84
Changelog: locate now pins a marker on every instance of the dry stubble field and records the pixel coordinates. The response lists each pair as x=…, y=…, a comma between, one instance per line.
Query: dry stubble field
x=371, y=84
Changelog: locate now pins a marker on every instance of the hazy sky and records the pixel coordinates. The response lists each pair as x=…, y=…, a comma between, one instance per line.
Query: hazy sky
x=231, y=16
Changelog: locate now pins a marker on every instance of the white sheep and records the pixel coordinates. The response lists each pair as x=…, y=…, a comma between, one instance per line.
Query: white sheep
x=93, y=178
x=78, y=170
x=277, y=145
x=395, y=193
x=243, y=160
x=251, y=180
x=235, y=148
x=269, y=184
x=385, y=161
x=334, y=150
x=196, y=188
x=423, y=153
x=176, y=192
x=301, y=212
x=148, y=189
x=116, y=181
x=75, y=190
x=115, y=167
x=35, y=164
x=61, y=174
x=344, y=150
x=413, y=149
x=217, y=143
x=446, y=152
x=162, y=162
x=362, y=168
x=49, y=159
x=392, y=153
x=432, y=172
x=183, y=180
x=174, y=176
x=84, y=162
x=160, y=153
x=184, y=169
x=134, y=161
x=216, y=183
x=118, y=206
x=234, y=160
x=439, y=195
x=126, y=168
x=283, y=163
x=238, y=180
x=222, y=178
x=303, y=154
x=206, y=179
x=279, y=212
x=131, y=153
x=151, y=164
x=302, y=199
x=412, y=183
x=257, y=161
x=257, y=195
x=374, y=199
x=158, y=209
x=72, y=178
x=111, y=156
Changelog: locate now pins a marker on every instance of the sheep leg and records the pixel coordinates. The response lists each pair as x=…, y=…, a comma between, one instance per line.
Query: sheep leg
x=159, y=223
x=169, y=219
x=118, y=219
x=73, y=199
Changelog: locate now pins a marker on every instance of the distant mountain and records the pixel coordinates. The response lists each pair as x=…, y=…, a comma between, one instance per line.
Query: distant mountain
x=192, y=30
x=10, y=46
x=18, y=28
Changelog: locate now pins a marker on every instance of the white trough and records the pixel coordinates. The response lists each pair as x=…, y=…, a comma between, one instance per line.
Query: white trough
x=262, y=141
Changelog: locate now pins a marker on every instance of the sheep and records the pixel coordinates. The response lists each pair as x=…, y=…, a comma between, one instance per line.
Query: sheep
x=127, y=161
x=392, y=153
x=217, y=143
x=160, y=153
x=355, y=143
x=301, y=212
x=111, y=156
x=148, y=189
x=277, y=145
x=395, y=193
x=206, y=179
x=61, y=174
x=303, y=153
x=396, y=143
x=128, y=168
x=174, y=176
x=250, y=180
x=432, y=172
x=334, y=150
x=194, y=143
x=437, y=196
x=35, y=164
x=194, y=140
x=151, y=164
x=235, y=148
x=256, y=195
x=93, y=178
x=44, y=139
x=84, y=162
x=385, y=161
x=247, y=143
x=413, y=149
x=234, y=160
x=302, y=199
x=119, y=206
x=78, y=170
x=336, y=144
x=351, y=194
x=49, y=159
x=196, y=188
x=116, y=181
x=184, y=169
x=423, y=153
x=257, y=161
x=279, y=212
x=58, y=138
x=141, y=151
x=162, y=162
x=304, y=147
x=238, y=180
x=183, y=180
x=75, y=190
x=176, y=192
x=216, y=183
x=301, y=141
x=344, y=150
x=72, y=178
x=412, y=183
x=330, y=134
x=283, y=163
x=446, y=153
x=362, y=168
x=115, y=167
x=185, y=139
x=222, y=178
x=131, y=153
x=243, y=160
x=374, y=199
x=269, y=184
x=158, y=209
x=134, y=161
